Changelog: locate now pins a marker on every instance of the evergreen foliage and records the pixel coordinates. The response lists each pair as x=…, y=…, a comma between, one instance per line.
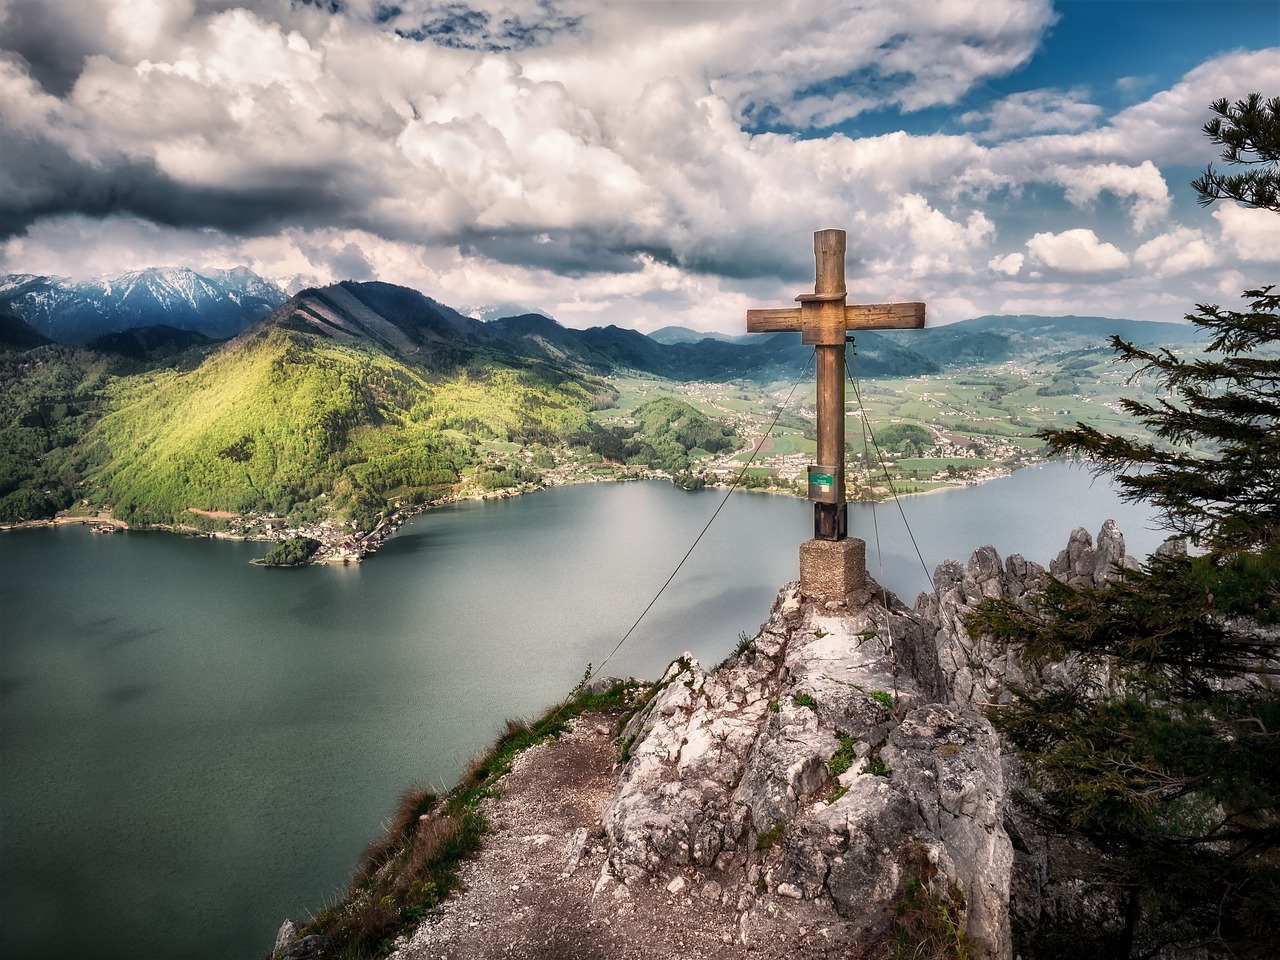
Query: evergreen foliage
x=1216, y=475
x=292, y=553
x=905, y=438
x=1249, y=133
x=50, y=396
x=1158, y=745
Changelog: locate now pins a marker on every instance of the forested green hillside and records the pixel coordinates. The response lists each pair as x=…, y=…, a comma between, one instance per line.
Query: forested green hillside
x=661, y=434
x=307, y=417
x=287, y=419
x=49, y=396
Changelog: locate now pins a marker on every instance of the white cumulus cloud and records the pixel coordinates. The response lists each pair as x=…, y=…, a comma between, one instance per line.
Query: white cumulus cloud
x=1076, y=251
x=1009, y=264
x=1143, y=183
x=1253, y=234
x=1178, y=251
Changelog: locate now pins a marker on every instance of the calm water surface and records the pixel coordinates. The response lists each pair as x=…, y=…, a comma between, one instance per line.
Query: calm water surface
x=194, y=748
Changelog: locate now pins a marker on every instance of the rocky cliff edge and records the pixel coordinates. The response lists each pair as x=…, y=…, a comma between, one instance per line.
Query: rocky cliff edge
x=840, y=762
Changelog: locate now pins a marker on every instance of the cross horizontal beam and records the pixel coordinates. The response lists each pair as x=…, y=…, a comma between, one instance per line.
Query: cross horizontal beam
x=870, y=316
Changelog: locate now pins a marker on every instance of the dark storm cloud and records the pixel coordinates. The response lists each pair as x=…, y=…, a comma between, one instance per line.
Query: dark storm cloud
x=574, y=253
x=748, y=258
x=583, y=252
x=51, y=39
x=41, y=179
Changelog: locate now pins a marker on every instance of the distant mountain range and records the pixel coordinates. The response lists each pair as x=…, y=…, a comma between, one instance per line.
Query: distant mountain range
x=355, y=396
x=222, y=304
x=995, y=339
x=218, y=304
x=417, y=328
x=674, y=334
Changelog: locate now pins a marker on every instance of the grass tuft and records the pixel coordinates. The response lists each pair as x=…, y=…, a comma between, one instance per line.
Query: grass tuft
x=412, y=805
x=928, y=924
x=882, y=697
x=877, y=767
x=767, y=838
x=842, y=759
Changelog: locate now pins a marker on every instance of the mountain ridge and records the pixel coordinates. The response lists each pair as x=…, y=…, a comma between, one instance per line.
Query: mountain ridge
x=217, y=303
x=225, y=303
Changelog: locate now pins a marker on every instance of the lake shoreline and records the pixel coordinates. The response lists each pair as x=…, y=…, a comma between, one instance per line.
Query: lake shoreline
x=339, y=546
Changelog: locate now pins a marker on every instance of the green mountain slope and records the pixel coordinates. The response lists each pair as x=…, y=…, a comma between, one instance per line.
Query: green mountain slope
x=299, y=423
x=50, y=395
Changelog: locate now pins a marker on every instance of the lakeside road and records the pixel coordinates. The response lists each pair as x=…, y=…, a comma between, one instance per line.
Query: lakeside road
x=102, y=518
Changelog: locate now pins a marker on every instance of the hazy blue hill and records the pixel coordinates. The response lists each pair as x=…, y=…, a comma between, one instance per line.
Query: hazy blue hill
x=219, y=304
x=631, y=350
x=674, y=334
x=533, y=334
x=1097, y=328
x=781, y=356
x=994, y=339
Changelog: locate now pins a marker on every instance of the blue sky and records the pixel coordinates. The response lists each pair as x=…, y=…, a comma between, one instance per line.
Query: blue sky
x=640, y=163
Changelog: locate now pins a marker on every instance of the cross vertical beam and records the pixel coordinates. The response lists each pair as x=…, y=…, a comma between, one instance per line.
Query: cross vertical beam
x=822, y=324
x=832, y=564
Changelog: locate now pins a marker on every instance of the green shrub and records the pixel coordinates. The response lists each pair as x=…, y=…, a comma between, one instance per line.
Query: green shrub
x=292, y=553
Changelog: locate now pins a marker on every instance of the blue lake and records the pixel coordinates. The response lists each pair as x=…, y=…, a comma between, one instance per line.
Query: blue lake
x=194, y=748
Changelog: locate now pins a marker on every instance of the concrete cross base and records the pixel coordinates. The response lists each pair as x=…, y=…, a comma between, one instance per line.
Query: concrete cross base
x=832, y=569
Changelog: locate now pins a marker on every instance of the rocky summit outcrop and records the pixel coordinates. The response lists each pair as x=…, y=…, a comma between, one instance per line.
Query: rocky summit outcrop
x=842, y=759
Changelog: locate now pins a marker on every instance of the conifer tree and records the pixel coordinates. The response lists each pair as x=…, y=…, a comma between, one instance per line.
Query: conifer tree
x=1163, y=751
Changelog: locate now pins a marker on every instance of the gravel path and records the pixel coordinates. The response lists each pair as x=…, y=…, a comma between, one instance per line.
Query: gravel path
x=530, y=894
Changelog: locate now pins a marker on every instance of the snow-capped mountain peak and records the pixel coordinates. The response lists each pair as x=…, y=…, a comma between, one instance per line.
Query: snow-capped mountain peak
x=218, y=303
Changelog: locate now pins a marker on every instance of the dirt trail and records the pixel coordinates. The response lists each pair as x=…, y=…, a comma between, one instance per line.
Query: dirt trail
x=525, y=896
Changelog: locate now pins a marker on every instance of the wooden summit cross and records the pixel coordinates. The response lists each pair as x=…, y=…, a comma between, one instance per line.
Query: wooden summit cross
x=832, y=565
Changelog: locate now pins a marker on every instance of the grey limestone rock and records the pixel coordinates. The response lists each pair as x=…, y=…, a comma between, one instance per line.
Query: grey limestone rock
x=729, y=773
x=307, y=948
x=1109, y=555
x=288, y=930
x=733, y=774
x=951, y=762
